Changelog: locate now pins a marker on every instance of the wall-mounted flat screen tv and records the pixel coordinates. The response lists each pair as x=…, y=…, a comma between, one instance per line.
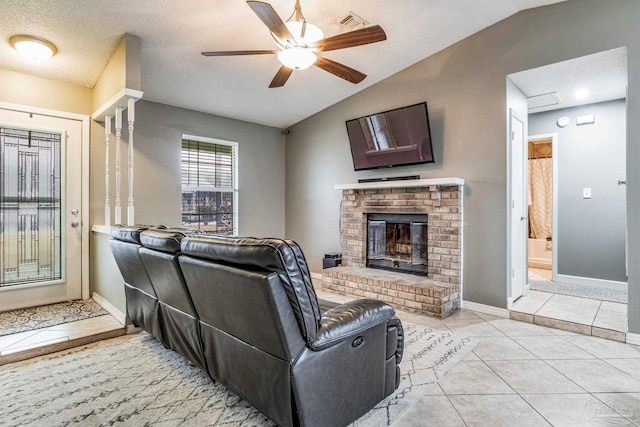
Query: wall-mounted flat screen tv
x=397, y=137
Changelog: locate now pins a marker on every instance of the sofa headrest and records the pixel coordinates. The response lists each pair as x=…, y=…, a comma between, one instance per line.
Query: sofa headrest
x=128, y=233
x=282, y=256
x=165, y=240
x=249, y=251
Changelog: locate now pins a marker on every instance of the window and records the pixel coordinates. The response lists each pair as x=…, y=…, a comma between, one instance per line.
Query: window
x=209, y=185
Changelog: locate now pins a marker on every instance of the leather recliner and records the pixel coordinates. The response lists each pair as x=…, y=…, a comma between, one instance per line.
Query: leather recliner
x=142, y=301
x=265, y=338
x=260, y=328
x=179, y=324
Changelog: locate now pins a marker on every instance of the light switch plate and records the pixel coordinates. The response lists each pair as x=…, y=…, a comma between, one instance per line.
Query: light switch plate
x=586, y=193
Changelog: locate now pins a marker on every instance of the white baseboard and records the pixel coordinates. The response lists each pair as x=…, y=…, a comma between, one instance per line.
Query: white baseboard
x=633, y=338
x=486, y=309
x=587, y=281
x=119, y=316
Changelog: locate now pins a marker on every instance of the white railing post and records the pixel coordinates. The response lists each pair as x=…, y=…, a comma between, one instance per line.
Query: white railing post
x=118, y=211
x=111, y=115
x=131, y=119
x=107, y=202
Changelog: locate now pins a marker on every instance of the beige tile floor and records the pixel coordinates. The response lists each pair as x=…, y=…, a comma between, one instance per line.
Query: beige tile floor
x=581, y=315
x=518, y=374
x=25, y=345
x=522, y=374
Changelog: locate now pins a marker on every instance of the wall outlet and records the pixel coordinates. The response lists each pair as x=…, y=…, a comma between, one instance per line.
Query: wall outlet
x=586, y=193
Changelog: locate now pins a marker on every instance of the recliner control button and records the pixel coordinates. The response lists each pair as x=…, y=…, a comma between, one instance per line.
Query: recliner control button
x=357, y=342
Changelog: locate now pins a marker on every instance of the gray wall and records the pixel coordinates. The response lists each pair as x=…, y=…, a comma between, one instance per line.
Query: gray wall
x=591, y=232
x=464, y=86
x=157, y=186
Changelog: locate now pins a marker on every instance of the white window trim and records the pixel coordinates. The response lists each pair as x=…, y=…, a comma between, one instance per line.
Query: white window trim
x=234, y=149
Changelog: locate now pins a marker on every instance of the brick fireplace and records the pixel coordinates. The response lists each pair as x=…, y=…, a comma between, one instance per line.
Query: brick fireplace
x=439, y=202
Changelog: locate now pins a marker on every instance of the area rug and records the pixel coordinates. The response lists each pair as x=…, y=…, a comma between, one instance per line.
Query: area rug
x=133, y=380
x=28, y=319
x=591, y=292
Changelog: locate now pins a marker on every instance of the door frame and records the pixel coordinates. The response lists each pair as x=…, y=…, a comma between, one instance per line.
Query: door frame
x=554, y=196
x=511, y=191
x=84, y=185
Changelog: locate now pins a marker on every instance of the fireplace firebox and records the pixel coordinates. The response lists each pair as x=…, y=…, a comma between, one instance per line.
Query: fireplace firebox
x=397, y=242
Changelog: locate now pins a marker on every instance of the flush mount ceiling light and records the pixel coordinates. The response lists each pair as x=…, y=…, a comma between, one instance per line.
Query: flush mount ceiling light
x=33, y=48
x=582, y=93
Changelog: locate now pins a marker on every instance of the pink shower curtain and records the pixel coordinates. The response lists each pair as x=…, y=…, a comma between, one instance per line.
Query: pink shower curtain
x=540, y=198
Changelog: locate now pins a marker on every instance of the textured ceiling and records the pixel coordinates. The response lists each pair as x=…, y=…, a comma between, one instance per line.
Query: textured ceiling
x=173, y=34
x=603, y=75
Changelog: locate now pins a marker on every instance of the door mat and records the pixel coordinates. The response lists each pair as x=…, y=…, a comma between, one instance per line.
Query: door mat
x=29, y=319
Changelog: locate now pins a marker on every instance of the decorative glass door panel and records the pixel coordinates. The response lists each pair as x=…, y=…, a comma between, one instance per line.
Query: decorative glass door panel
x=41, y=231
x=419, y=243
x=377, y=235
x=30, y=206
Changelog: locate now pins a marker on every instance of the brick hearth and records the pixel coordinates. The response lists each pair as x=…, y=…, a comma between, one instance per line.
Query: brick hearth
x=441, y=199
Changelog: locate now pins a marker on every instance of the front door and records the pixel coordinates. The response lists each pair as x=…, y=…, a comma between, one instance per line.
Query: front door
x=40, y=207
x=519, y=224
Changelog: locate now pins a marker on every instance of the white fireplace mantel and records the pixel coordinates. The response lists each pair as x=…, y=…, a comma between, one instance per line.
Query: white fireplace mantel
x=400, y=183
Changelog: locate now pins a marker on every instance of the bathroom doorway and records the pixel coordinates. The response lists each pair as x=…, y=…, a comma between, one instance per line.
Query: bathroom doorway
x=542, y=175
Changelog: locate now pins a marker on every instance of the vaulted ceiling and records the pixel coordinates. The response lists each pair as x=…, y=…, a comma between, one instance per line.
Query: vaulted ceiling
x=173, y=34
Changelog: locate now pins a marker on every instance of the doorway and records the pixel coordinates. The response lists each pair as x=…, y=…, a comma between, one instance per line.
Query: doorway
x=583, y=105
x=42, y=243
x=542, y=206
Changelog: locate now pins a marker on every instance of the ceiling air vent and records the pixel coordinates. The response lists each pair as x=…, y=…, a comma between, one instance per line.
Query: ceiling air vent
x=543, y=100
x=351, y=21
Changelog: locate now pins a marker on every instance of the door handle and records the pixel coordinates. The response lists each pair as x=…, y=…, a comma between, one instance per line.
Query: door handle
x=522, y=218
x=74, y=224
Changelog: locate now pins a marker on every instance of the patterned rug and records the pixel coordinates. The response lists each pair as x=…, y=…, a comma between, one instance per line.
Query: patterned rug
x=28, y=319
x=133, y=380
x=581, y=291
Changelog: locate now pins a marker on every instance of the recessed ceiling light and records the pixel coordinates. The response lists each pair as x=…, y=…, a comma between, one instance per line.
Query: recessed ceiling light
x=32, y=47
x=582, y=93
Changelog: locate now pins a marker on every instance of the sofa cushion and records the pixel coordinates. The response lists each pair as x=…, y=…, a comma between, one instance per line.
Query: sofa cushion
x=162, y=240
x=281, y=256
x=127, y=233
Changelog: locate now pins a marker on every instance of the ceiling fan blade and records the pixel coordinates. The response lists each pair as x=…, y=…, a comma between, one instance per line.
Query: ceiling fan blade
x=340, y=70
x=365, y=35
x=239, y=52
x=281, y=77
x=270, y=18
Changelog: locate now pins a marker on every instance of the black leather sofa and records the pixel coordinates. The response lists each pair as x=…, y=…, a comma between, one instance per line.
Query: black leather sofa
x=245, y=310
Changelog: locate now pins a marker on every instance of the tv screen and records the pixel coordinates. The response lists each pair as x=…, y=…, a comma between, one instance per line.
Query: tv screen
x=397, y=137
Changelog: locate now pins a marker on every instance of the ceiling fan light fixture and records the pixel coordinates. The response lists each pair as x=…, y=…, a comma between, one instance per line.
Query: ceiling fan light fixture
x=297, y=58
x=32, y=47
x=311, y=32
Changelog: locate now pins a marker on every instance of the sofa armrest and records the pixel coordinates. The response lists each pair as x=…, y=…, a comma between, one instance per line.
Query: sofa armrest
x=348, y=320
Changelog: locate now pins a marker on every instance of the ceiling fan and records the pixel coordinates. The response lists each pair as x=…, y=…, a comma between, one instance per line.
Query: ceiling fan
x=299, y=42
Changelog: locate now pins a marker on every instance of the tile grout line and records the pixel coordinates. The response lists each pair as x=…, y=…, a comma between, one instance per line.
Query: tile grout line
x=516, y=392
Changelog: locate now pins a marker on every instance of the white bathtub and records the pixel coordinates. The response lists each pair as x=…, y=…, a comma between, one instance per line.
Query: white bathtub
x=539, y=255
